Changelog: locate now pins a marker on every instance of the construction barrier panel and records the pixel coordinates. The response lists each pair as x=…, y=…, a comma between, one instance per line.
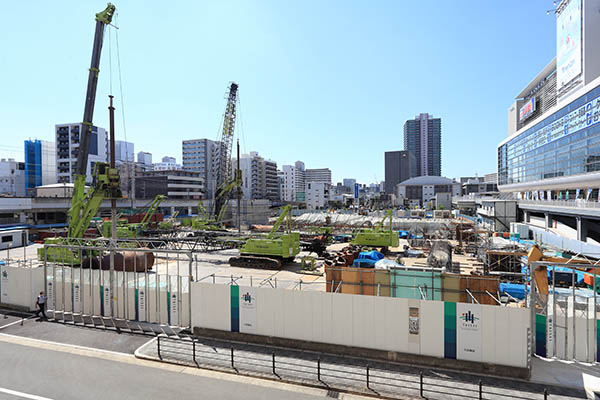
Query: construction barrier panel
x=461, y=331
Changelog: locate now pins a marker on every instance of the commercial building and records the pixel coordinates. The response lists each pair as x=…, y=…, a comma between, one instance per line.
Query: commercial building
x=550, y=160
x=259, y=177
x=185, y=185
x=423, y=138
x=12, y=178
x=200, y=155
x=399, y=166
x=425, y=188
x=317, y=195
x=145, y=158
x=167, y=164
x=478, y=185
x=321, y=175
x=67, y=149
x=124, y=151
x=40, y=164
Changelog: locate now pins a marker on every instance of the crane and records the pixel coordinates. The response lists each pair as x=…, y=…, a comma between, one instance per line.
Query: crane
x=270, y=251
x=378, y=236
x=131, y=230
x=224, y=154
x=105, y=180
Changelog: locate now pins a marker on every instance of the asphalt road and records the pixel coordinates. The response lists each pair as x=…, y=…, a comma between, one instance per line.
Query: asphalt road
x=41, y=374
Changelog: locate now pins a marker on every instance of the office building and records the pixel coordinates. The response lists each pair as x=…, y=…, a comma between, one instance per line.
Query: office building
x=124, y=151
x=145, y=158
x=12, y=178
x=399, y=166
x=200, y=155
x=67, y=149
x=349, y=183
x=321, y=175
x=423, y=138
x=40, y=164
x=184, y=185
x=167, y=164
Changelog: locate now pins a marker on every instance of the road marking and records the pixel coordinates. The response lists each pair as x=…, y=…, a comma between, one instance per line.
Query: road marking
x=17, y=322
x=131, y=359
x=23, y=395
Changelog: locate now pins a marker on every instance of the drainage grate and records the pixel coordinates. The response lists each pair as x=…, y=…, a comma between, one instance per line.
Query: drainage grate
x=333, y=394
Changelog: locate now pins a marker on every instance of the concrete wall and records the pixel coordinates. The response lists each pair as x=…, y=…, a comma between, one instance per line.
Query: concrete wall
x=480, y=333
x=19, y=287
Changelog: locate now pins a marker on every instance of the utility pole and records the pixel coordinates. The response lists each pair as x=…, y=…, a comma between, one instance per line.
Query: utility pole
x=113, y=204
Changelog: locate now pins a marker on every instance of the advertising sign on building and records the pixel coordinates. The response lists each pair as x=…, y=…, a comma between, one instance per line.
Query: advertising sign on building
x=413, y=320
x=4, y=297
x=528, y=109
x=568, y=43
x=468, y=332
x=356, y=190
x=247, y=309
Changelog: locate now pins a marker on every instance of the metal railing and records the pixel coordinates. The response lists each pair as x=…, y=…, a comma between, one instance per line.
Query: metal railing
x=321, y=370
x=562, y=203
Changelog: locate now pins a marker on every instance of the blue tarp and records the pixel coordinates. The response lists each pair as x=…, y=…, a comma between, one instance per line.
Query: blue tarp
x=403, y=234
x=370, y=255
x=516, y=290
x=364, y=263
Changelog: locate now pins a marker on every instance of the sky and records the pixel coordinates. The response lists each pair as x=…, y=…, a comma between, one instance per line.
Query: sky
x=327, y=82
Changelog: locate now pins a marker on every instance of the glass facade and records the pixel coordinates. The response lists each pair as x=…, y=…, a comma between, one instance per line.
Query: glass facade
x=33, y=164
x=563, y=144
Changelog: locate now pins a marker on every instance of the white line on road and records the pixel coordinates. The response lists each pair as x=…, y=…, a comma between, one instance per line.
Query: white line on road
x=23, y=395
x=17, y=322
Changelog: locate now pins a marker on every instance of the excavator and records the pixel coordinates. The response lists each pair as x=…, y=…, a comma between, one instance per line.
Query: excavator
x=272, y=251
x=127, y=230
x=378, y=236
x=105, y=180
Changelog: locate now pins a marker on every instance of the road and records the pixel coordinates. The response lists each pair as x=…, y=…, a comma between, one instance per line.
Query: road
x=38, y=371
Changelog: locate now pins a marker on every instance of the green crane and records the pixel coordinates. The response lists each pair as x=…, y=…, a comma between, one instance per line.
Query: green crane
x=275, y=248
x=378, y=236
x=105, y=180
x=133, y=230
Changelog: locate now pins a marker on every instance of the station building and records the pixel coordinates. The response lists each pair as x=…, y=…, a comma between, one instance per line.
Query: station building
x=550, y=160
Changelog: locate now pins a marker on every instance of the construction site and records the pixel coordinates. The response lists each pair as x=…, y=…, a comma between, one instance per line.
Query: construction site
x=135, y=271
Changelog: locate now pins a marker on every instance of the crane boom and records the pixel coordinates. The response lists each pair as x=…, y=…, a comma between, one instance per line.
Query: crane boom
x=225, y=145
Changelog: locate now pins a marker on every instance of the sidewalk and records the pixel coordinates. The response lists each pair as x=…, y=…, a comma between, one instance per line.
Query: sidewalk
x=344, y=373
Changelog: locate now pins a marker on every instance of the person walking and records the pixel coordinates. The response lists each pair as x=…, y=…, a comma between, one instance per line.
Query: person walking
x=41, y=303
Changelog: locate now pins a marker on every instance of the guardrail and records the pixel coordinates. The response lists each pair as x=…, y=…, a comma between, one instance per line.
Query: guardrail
x=313, y=370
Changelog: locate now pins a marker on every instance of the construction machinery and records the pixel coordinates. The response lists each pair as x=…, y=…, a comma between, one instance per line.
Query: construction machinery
x=379, y=236
x=272, y=251
x=128, y=230
x=105, y=182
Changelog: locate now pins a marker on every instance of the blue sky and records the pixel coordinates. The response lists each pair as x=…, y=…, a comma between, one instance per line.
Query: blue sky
x=330, y=83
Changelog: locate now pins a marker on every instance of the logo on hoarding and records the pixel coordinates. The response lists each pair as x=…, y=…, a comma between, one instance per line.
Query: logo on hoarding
x=247, y=298
x=4, y=275
x=469, y=317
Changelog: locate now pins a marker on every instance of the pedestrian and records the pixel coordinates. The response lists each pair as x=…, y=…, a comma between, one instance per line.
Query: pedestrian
x=41, y=303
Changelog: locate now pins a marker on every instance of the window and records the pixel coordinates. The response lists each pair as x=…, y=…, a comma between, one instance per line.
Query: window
x=7, y=239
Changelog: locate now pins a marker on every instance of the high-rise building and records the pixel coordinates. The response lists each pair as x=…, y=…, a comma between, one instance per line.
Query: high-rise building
x=200, y=155
x=259, y=177
x=40, y=164
x=294, y=182
x=321, y=175
x=123, y=151
x=145, y=158
x=399, y=166
x=12, y=178
x=423, y=138
x=349, y=183
x=67, y=149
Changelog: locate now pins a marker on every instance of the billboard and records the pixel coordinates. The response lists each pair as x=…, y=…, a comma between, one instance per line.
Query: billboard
x=528, y=109
x=568, y=43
